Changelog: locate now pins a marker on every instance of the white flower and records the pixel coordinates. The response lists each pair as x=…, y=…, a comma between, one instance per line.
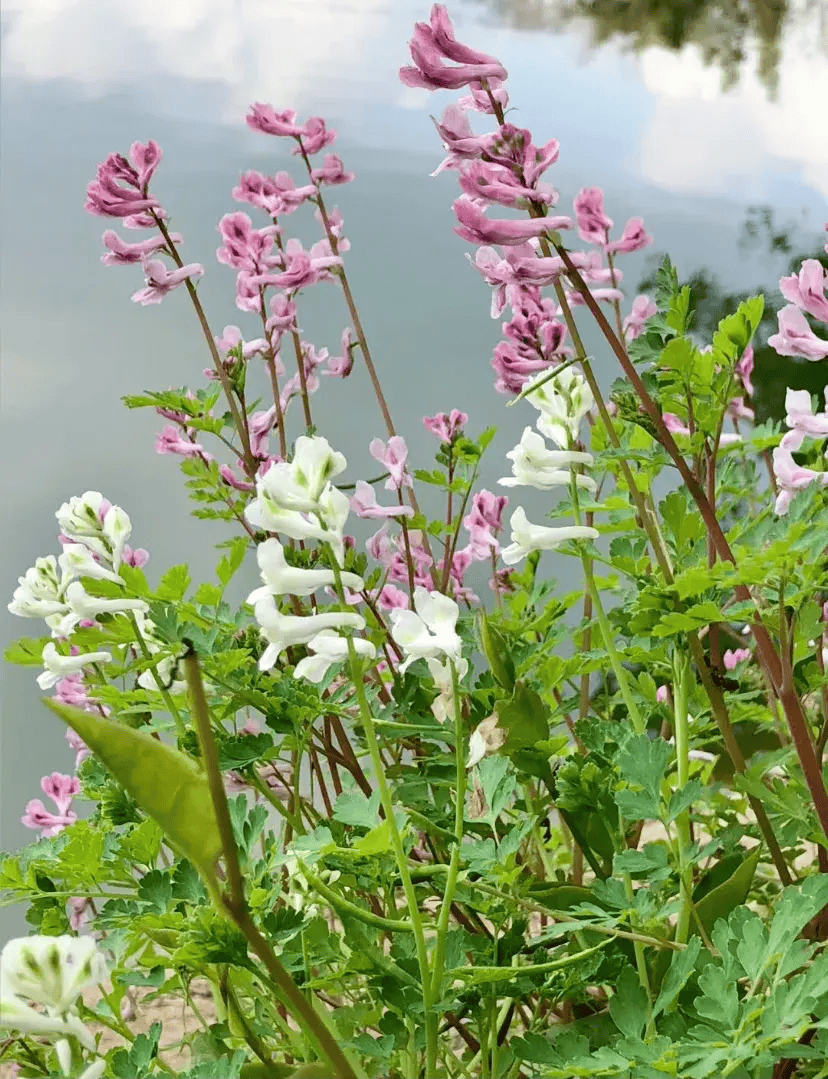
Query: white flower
x=38, y=592
x=533, y=465
x=90, y=519
x=430, y=633
x=329, y=649
x=562, y=401
x=15, y=1014
x=284, y=630
x=77, y=560
x=281, y=579
x=52, y=971
x=82, y=605
x=326, y=522
x=487, y=737
x=314, y=464
x=442, y=706
x=58, y=666
x=117, y=528
x=527, y=537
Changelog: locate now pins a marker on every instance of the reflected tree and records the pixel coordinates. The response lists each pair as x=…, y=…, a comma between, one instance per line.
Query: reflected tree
x=726, y=31
x=772, y=373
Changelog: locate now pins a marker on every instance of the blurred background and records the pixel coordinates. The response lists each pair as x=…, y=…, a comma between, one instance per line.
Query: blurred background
x=706, y=118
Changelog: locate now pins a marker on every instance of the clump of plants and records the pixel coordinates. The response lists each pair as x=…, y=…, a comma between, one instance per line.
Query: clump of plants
x=402, y=830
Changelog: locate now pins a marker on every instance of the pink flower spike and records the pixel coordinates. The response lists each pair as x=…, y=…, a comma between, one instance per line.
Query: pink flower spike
x=479, y=229
x=264, y=118
x=146, y=158
x=61, y=789
x=160, y=280
x=807, y=289
x=800, y=414
x=446, y=427
x=733, y=657
x=229, y=477
x=364, y=504
x=392, y=455
x=795, y=336
x=429, y=49
x=633, y=238
x=392, y=598
x=170, y=441
x=593, y=223
x=121, y=253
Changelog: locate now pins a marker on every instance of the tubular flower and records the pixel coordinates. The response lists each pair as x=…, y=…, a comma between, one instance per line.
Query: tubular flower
x=58, y=666
x=562, y=400
x=533, y=465
x=527, y=537
x=329, y=649
x=430, y=632
x=281, y=579
x=283, y=630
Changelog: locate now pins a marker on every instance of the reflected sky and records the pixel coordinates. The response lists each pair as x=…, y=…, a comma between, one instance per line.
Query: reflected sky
x=85, y=77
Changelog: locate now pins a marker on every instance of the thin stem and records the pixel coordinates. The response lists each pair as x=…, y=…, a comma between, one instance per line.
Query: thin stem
x=162, y=689
x=681, y=672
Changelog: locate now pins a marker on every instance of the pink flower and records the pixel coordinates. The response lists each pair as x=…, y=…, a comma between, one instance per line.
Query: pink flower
x=633, y=238
x=341, y=366
x=642, y=309
x=487, y=182
x=801, y=417
x=119, y=190
x=807, y=289
x=457, y=137
x=392, y=455
x=483, y=522
x=137, y=556
x=332, y=172
x=283, y=316
x=392, y=598
x=433, y=43
x=246, y=248
x=662, y=694
x=479, y=229
x=790, y=476
x=122, y=253
x=744, y=369
x=446, y=427
x=160, y=280
x=480, y=101
x=62, y=790
x=170, y=441
x=260, y=425
x=364, y=504
x=146, y=158
x=593, y=223
x=80, y=911
x=264, y=118
x=229, y=477
x=733, y=657
x=314, y=137
x=796, y=338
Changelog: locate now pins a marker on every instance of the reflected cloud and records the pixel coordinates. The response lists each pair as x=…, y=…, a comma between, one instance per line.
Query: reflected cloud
x=703, y=140
x=272, y=50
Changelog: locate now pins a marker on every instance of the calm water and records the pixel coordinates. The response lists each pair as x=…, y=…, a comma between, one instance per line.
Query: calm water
x=654, y=127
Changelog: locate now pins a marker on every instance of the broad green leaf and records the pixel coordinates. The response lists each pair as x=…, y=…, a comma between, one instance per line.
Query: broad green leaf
x=680, y=970
x=352, y=807
x=628, y=1007
x=731, y=893
x=174, y=583
x=165, y=784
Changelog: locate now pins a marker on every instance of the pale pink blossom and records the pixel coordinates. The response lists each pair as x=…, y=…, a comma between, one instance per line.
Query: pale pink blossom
x=264, y=118
x=121, y=253
x=733, y=657
x=663, y=694
x=230, y=478
x=633, y=238
x=446, y=426
x=795, y=336
x=432, y=44
x=170, y=441
x=593, y=223
x=807, y=289
x=332, y=172
x=160, y=280
x=642, y=309
x=62, y=790
x=483, y=522
x=364, y=504
x=135, y=556
x=790, y=476
x=800, y=414
x=314, y=137
x=283, y=314
x=479, y=229
x=341, y=366
x=480, y=98
x=392, y=455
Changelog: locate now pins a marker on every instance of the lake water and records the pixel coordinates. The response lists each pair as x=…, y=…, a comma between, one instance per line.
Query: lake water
x=655, y=128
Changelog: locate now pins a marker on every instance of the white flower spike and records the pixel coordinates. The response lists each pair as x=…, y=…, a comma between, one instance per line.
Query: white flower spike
x=562, y=401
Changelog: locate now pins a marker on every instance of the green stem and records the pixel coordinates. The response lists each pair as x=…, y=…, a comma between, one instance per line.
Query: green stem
x=681, y=673
x=162, y=689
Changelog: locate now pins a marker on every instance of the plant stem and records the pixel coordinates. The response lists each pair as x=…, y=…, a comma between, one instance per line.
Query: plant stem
x=162, y=689
x=681, y=672
x=234, y=903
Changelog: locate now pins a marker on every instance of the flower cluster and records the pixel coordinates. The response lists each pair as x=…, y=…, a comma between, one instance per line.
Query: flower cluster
x=805, y=293
x=505, y=168
x=298, y=500
x=803, y=423
x=51, y=973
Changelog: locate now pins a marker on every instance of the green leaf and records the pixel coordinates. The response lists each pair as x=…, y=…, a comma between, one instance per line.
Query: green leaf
x=352, y=807
x=229, y=563
x=174, y=584
x=241, y=749
x=525, y=720
x=680, y=970
x=720, y=901
x=165, y=784
x=27, y=651
x=720, y=1003
x=628, y=1007
x=156, y=888
x=135, y=1063
x=682, y=799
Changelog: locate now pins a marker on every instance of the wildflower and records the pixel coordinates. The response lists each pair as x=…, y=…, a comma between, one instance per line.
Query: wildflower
x=446, y=426
x=62, y=790
x=483, y=521
x=633, y=238
x=121, y=253
x=364, y=504
x=807, y=289
x=799, y=414
x=733, y=657
x=527, y=537
x=432, y=44
x=479, y=229
x=486, y=738
x=795, y=336
x=329, y=650
x=642, y=309
x=593, y=223
x=283, y=630
x=160, y=280
x=533, y=465
x=58, y=665
x=430, y=632
x=562, y=401
x=392, y=455
x=281, y=579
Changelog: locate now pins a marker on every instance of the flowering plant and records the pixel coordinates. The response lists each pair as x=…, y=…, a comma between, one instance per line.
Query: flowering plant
x=400, y=830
